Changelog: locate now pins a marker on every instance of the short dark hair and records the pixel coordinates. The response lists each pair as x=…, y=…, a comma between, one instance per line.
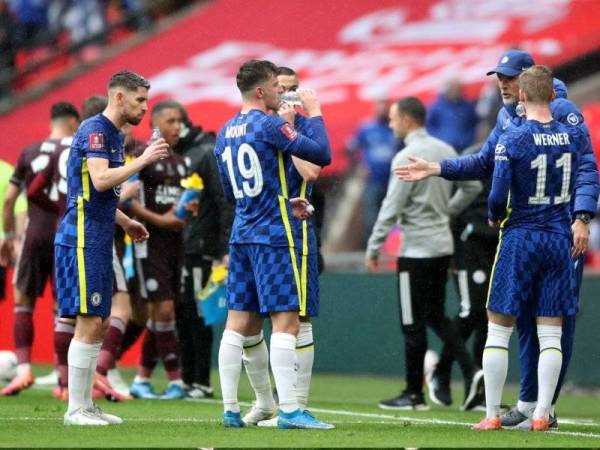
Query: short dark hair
x=129, y=80
x=167, y=104
x=413, y=107
x=254, y=72
x=61, y=110
x=283, y=70
x=93, y=105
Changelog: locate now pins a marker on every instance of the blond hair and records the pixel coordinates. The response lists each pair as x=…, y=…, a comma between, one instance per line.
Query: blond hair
x=537, y=84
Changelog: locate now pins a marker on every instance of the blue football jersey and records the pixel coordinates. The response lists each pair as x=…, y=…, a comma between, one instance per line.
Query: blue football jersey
x=89, y=219
x=253, y=155
x=534, y=176
x=306, y=239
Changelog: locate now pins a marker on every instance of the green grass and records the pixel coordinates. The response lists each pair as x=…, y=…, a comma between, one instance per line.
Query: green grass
x=34, y=419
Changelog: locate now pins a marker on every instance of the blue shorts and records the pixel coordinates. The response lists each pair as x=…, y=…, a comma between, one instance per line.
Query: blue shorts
x=262, y=279
x=533, y=266
x=309, y=283
x=84, y=281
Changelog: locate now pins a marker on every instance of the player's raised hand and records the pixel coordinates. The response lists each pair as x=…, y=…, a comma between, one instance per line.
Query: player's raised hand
x=581, y=237
x=159, y=149
x=136, y=231
x=417, y=170
x=310, y=102
x=287, y=112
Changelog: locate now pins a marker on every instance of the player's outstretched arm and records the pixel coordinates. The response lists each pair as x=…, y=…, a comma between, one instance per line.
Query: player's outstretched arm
x=105, y=178
x=417, y=169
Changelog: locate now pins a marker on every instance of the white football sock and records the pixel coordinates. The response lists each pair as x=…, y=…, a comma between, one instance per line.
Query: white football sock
x=283, y=364
x=305, y=353
x=94, y=353
x=549, y=365
x=230, y=368
x=495, y=366
x=256, y=362
x=526, y=408
x=79, y=358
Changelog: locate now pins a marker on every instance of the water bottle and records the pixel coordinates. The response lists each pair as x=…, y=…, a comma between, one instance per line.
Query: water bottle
x=193, y=186
x=156, y=135
x=520, y=109
x=291, y=97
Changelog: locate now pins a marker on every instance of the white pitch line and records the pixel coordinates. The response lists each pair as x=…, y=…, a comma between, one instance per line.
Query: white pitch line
x=416, y=420
x=578, y=422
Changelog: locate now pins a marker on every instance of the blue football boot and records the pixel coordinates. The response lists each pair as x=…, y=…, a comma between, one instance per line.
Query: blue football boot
x=301, y=420
x=174, y=391
x=142, y=390
x=233, y=420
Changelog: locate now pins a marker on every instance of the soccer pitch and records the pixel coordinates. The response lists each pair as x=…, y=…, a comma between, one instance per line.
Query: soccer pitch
x=34, y=419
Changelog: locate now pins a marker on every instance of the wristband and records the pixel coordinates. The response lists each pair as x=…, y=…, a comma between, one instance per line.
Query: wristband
x=584, y=217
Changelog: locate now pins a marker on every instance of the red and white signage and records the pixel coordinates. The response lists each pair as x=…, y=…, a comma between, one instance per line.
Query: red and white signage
x=351, y=52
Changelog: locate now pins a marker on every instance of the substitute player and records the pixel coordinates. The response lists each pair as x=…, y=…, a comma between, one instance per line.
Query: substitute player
x=84, y=240
x=35, y=263
x=252, y=151
x=537, y=164
x=583, y=205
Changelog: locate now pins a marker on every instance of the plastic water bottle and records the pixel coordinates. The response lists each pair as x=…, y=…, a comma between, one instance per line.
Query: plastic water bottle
x=291, y=97
x=156, y=135
x=193, y=187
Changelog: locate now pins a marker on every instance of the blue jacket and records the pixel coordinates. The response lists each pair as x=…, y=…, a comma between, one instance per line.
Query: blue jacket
x=452, y=122
x=481, y=165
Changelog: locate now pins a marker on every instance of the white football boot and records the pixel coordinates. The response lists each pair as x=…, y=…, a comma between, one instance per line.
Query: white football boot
x=83, y=417
x=111, y=419
x=257, y=414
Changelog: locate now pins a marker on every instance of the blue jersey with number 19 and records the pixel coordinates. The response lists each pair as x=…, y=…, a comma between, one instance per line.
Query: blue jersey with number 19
x=253, y=153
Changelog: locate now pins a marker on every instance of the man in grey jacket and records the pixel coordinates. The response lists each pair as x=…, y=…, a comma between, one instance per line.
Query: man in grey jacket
x=423, y=212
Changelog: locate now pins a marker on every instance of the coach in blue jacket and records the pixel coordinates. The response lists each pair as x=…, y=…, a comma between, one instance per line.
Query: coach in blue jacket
x=481, y=165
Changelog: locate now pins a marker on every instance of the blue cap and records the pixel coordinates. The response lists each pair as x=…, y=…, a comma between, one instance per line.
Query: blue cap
x=512, y=63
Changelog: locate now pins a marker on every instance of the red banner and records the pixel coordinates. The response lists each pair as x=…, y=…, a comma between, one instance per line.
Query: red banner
x=351, y=52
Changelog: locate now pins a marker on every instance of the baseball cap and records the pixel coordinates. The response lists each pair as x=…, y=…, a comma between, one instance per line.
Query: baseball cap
x=512, y=63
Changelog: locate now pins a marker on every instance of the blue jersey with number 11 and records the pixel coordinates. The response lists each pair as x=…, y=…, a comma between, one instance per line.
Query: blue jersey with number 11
x=537, y=163
x=253, y=153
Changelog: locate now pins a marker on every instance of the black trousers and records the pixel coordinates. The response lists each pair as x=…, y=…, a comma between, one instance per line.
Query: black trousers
x=421, y=293
x=195, y=338
x=473, y=259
